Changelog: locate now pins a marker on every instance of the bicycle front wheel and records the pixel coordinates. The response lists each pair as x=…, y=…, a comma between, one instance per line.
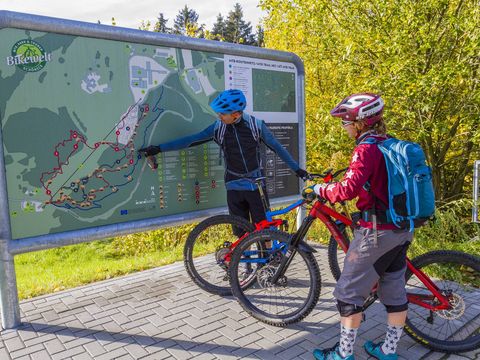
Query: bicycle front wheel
x=457, y=275
x=206, y=248
x=292, y=297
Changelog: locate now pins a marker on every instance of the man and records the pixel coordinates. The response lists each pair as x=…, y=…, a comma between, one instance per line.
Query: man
x=239, y=135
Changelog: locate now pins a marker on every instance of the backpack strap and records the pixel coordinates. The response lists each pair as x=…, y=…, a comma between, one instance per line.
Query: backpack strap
x=219, y=132
x=369, y=140
x=372, y=214
x=218, y=136
x=255, y=126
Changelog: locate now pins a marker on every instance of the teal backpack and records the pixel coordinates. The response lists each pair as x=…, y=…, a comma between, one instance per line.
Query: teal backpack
x=410, y=188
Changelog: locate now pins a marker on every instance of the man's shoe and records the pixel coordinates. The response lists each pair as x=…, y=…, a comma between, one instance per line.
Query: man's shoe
x=376, y=351
x=330, y=354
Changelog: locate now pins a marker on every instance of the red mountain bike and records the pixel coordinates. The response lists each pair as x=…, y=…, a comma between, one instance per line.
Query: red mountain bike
x=217, y=236
x=442, y=286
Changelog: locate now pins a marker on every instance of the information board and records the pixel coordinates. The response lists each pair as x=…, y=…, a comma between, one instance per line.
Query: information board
x=74, y=111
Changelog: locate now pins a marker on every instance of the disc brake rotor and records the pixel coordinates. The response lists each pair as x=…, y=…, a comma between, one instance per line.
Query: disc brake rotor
x=265, y=275
x=457, y=308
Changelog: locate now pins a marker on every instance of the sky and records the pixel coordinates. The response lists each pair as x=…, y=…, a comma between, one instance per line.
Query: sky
x=128, y=13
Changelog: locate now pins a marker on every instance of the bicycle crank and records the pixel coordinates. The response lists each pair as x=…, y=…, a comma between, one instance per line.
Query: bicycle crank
x=221, y=254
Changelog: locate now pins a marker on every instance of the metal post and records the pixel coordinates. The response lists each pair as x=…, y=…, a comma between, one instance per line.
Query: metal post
x=476, y=192
x=302, y=132
x=9, y=306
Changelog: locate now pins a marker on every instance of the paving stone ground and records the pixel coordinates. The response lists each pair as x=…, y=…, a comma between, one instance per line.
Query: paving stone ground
x=161, y=314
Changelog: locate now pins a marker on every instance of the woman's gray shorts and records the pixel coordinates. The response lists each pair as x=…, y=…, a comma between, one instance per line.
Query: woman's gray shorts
x=367, y=262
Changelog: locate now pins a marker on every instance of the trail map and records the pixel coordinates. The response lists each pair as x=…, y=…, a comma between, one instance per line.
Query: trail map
x=75, y=110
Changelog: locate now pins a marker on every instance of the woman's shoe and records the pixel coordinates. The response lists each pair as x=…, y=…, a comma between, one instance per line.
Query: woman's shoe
x=330, y=354
x=376, y=351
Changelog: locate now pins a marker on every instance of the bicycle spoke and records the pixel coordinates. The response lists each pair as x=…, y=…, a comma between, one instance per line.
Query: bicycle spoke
x=207, y=248
x=287, y=296
x=295, y=292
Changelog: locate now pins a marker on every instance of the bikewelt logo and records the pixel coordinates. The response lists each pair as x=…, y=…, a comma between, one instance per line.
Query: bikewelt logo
x=29, y=56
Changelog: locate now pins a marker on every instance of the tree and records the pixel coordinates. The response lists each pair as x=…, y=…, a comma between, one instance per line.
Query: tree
x=260, y=37
x=422, y=56
x=186, y=23
x=236, y=29
x=145, y=25
x=161, y=25
x=195, y=30
x=219, y=28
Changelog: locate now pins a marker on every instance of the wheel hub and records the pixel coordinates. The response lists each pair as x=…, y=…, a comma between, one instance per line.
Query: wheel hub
x=220, y=255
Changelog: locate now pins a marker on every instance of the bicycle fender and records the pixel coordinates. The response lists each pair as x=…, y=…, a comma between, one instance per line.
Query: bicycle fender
x=305, y=247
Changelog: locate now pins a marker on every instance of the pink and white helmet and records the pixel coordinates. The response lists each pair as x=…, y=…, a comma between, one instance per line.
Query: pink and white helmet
x=365, y=107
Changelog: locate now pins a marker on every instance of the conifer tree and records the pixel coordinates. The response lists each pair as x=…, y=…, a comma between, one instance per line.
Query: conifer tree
x=161, y=25
x=219, y=28
x=260, y=37
x=186, y=20
x=237, y=30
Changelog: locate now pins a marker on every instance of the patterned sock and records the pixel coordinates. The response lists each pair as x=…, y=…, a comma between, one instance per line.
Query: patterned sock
x=391, y=339
x=347, y=339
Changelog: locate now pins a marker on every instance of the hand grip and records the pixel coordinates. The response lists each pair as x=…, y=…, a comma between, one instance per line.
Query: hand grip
x=152, y=162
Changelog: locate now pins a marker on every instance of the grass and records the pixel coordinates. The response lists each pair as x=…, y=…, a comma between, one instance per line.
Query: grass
x=53, y=270
x=49, y=271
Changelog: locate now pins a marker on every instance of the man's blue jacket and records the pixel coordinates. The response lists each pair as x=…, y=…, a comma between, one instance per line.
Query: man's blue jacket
x=241, y=150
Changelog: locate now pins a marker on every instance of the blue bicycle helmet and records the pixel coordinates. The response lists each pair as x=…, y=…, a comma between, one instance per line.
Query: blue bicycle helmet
x=229, y=101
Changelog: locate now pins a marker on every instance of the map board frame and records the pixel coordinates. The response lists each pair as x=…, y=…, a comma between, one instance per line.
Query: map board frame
x=10, y=313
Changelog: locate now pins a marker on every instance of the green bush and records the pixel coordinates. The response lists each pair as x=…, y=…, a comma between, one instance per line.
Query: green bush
x=452, y=229
x=148, y=242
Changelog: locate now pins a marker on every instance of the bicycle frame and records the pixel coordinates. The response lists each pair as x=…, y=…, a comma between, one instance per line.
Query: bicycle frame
x=326, y=215
x=269, y=222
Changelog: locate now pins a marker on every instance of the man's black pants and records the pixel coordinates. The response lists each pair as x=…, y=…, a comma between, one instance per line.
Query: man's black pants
x=247, y=204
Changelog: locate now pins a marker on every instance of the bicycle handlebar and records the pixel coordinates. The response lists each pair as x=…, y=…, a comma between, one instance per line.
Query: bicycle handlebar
x=327, y=175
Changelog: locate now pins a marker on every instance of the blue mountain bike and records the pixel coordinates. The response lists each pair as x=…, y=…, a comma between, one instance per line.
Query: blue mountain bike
x=209, y=247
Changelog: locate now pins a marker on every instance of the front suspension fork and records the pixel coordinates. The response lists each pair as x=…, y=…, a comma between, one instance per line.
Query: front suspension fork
x=292, y=248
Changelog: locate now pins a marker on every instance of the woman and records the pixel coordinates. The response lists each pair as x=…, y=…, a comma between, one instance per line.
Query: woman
x=378, y=250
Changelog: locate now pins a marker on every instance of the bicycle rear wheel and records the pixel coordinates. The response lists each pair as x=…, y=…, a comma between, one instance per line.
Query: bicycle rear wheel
x=294, y=295
x=333, y=252
x=206, y=247
x=457, y=275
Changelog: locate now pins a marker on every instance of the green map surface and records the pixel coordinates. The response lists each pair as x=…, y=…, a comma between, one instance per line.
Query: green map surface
x=72, y=123
x=273, y=91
